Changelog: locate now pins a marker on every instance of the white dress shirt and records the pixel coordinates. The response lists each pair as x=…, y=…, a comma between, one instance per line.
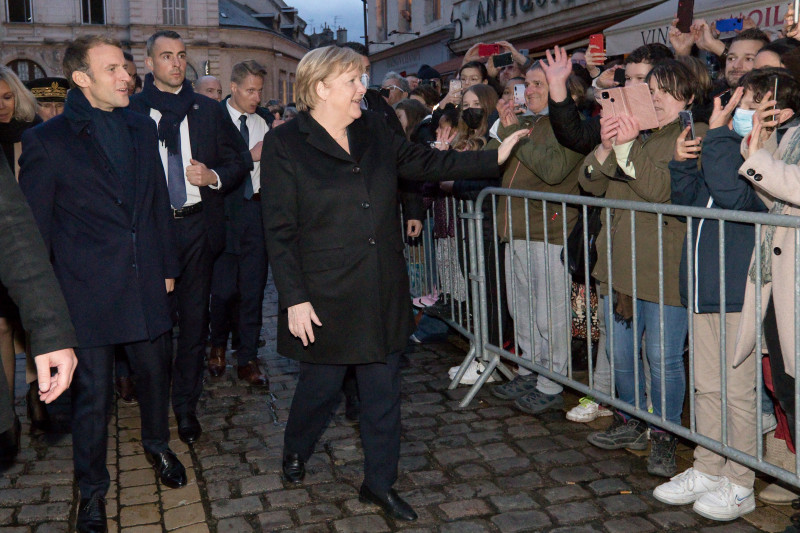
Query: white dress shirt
x=258, y=128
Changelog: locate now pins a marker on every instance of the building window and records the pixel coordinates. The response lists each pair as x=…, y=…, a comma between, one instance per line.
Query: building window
x=433, y=10
x=380, y=20
x=174, y=12
x=94, y=11
x=19, y=10
x=404, y=15
x=26, y=70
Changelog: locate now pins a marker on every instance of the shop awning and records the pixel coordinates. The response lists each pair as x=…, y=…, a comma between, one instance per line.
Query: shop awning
x=540, y=44
x=652, y=26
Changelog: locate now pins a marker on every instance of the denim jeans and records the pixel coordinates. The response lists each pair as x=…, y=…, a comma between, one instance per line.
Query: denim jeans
x=675, y=327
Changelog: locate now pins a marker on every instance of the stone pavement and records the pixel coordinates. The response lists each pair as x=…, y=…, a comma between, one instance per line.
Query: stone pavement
x=483, y=468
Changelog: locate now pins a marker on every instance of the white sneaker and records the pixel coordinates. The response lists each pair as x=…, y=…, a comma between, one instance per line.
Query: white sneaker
x=728, y=502
x=768, y=422
x=587, y=410
x=687, y=487
x=472, y=374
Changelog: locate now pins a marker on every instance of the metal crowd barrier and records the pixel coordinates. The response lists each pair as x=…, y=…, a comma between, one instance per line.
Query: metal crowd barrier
x=470, y=243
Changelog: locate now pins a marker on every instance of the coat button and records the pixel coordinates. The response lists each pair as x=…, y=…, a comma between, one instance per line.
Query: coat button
x=750, y=172
x=777, y=251
x=365, y=205
x=372, y=241
x=758, y=177
x=356, y=170
x=118, y=201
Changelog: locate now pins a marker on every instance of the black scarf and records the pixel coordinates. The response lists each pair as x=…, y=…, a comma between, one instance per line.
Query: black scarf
x=173, y=109
x=110, y=132
x=11, y=133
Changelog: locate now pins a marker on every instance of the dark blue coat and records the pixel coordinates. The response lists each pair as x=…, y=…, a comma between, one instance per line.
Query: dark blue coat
x=217, y=143
x=110, y=260
x=716, y=185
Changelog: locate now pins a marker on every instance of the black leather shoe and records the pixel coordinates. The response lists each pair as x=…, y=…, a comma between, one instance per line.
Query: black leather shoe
x=92, y=515
x=189, y=429
x=392, y=504
x=9, y=442
x=169, y=469
x=294, y=468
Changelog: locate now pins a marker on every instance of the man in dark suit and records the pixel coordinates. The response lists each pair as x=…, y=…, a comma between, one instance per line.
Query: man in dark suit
x=204, y=157
x=106, y=224
x=241, y=271
x=26, y=271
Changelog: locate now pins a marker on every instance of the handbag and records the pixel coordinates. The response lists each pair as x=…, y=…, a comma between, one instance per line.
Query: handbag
x=575, y=260
x=580, y=314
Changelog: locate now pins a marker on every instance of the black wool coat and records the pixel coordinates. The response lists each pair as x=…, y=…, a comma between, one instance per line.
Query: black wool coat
x=332, y=232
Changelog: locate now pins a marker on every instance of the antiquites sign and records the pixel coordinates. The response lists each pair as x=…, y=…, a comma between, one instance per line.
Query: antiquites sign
x=490, y=11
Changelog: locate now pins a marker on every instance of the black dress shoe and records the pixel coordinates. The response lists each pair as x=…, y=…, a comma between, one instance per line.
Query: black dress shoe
x=37, y=410
x=189, y=429
x=9, y=442
x=294, y=468
x=92, y=516
x=169, y=469
x=392, y=504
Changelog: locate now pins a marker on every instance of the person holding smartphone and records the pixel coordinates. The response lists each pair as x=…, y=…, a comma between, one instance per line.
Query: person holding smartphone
x=627, y=165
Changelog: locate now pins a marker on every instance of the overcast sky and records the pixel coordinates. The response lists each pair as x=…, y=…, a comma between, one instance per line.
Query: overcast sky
x=345, y=13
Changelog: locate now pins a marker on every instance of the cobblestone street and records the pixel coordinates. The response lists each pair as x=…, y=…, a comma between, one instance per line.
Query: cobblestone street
x=482, y=468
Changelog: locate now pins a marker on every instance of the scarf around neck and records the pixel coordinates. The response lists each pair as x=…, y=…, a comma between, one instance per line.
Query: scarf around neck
x=173, y=108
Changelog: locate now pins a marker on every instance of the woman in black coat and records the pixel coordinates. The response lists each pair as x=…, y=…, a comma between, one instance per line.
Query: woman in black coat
x=329, y=209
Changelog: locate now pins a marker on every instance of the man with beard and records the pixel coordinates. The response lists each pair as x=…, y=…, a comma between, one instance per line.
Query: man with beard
x=203, y=157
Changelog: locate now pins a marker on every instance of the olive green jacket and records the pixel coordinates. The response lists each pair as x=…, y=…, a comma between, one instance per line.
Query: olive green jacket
x=650, y=159
x=538, y=163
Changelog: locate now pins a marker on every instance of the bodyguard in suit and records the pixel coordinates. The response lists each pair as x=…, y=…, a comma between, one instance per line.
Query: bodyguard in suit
x=92, y=178
x=204, y=157
x=241, y=271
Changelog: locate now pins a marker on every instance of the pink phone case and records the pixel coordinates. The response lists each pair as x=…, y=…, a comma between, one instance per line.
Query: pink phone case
x=633, y=100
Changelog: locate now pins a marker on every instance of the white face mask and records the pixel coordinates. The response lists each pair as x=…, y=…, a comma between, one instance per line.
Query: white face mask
x=743, y=121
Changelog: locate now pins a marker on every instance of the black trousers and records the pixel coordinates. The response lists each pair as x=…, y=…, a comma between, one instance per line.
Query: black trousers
x=317, y=394
x=243, y=276
x=190, y=305
x=91, y=399
x=782, y=383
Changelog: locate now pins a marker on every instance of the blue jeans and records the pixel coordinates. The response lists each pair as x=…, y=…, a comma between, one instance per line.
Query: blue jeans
x=675, y=327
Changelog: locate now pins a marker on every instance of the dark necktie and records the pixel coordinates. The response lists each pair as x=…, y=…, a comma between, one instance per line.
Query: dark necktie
x=245, y=131
x=175, y=179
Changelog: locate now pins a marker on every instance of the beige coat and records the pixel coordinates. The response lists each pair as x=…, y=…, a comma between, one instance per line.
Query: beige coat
x=773, y=179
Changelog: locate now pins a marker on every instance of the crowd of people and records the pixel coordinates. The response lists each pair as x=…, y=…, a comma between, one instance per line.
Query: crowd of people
x=153, y=211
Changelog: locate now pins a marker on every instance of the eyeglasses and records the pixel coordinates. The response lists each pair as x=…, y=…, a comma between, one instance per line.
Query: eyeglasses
x=386, y=90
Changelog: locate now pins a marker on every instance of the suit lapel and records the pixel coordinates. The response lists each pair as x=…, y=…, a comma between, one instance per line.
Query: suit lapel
x=317, y=137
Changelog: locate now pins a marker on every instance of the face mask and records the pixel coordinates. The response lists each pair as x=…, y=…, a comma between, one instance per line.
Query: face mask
x=743, y=121
x=472, y=117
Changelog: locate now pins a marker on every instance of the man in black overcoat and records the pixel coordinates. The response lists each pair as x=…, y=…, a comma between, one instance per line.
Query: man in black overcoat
x=204, y=158
x=92, y=178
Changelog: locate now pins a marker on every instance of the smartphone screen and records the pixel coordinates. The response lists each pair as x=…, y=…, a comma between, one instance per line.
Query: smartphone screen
x=687, y=121
x=502, y=60
x=619, y=76
x=685, y=15
x=486, y=50
x=519, y=97
x=725, y=97
x=726, y=25
x=796, y=11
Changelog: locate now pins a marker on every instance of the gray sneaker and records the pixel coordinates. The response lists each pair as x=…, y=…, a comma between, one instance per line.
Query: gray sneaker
x=631, y=434
x=539, y=402
x=661, y=461
x=516, y=388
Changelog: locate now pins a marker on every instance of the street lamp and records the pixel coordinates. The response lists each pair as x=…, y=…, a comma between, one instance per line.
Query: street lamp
x=366, y=33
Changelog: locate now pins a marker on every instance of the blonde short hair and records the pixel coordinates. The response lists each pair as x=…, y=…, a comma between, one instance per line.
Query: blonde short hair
x=25, y=105
x=319, y=65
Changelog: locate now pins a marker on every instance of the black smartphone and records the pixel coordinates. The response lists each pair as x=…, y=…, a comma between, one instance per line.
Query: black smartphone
x=685, y=15
x=687, y=121
x=619, y=76
x=725, y=97
x=502, y=60
x=774, y=83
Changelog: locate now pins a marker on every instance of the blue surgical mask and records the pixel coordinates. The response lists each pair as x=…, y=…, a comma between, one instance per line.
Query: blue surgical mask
x=743, y=121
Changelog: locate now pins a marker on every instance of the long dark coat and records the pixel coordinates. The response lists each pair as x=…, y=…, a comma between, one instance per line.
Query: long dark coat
x=110, y=258
x=333, y=237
